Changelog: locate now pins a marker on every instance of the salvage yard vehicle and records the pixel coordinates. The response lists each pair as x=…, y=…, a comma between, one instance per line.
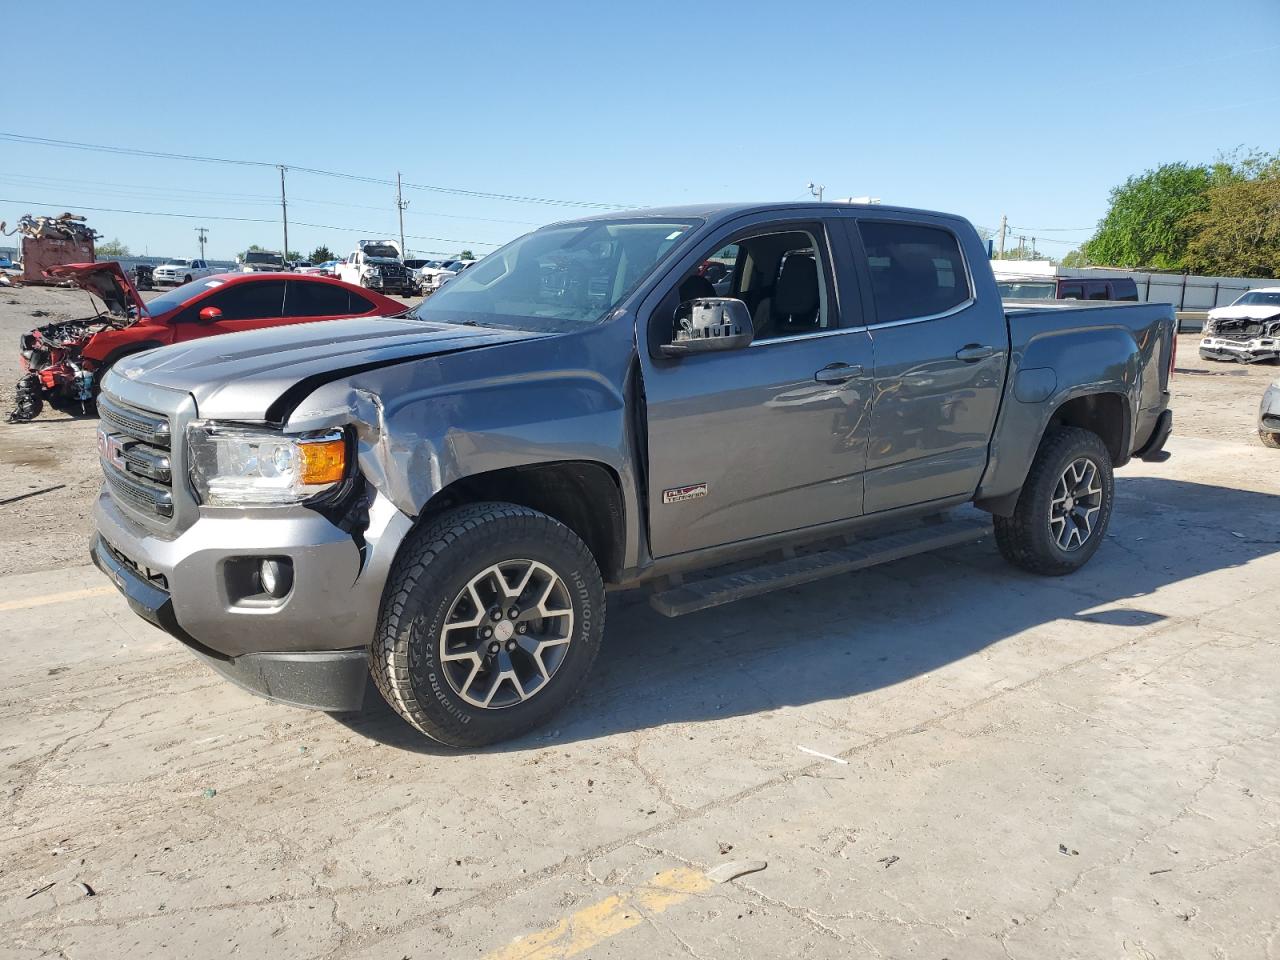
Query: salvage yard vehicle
x=261, y=261
x=174, y=273
x=376, y=264
x=1120, y=289
x=1269, y=416
x=1247, y=331
x=440, y=500
x=65, y=361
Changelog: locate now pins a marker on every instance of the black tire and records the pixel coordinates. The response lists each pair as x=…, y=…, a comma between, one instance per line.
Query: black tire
x=1027, y=539
x=1269, y=439
x=187, y=278
x=429, y=578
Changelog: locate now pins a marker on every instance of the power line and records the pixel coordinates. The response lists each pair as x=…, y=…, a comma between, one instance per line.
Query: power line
x=230, y=161
x=272, y=220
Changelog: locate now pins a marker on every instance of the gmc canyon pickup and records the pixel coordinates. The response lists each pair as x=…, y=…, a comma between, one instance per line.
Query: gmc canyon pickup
x=440, y=499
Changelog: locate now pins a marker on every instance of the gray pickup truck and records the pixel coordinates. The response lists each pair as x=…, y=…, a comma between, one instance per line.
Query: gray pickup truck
x=710, y=401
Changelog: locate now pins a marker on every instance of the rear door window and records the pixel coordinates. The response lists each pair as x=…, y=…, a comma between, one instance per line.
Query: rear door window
x=1098, y=290
x=308, y=299
x=1071, y=291
x=255, y=300
x=916, y=271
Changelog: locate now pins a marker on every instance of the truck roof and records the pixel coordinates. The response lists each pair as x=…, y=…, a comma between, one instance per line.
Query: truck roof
x=716, y=212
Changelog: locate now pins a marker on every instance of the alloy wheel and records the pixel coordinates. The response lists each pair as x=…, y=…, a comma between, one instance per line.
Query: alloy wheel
x=1076, y=503
x=506, y=634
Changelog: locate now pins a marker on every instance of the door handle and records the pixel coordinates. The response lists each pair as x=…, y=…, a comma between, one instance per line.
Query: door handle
x=975, y=352
x=838, y=372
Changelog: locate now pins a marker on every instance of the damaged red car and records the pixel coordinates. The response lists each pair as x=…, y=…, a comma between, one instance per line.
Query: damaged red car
x=65, y=361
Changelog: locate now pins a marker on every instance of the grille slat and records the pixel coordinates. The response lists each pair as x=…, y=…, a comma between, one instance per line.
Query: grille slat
x=136, y=457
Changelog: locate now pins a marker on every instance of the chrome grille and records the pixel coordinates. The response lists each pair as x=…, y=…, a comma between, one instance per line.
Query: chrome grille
x=133, y=447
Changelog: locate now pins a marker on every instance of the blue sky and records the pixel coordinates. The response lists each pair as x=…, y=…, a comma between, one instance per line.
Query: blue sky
x=1030, y=109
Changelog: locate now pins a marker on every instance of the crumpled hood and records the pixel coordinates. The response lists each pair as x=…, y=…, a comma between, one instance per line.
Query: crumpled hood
x=239, y=376
x=1260, y=311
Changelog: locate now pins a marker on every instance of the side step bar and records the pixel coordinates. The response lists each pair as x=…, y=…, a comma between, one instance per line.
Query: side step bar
x=716, y=591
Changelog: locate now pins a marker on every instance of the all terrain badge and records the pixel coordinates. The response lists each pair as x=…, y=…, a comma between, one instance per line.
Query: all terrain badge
x=679, y=494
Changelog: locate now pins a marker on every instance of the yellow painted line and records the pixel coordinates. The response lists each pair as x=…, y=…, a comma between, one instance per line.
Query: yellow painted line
x=45, y=599
x=591, y=926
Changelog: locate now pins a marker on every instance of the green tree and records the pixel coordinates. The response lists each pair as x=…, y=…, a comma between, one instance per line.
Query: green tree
x=466, y=255
x=1075, y=258
x=321, y=254
x=1147, y=222
x=1024, y=253
x=1238, y=233
x=112, y=248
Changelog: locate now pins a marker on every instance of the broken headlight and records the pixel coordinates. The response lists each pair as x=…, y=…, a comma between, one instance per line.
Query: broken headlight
x=237, y=466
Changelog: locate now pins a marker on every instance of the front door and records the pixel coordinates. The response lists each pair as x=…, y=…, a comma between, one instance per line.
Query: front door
x=246, y=305
x=940, y=364
x=771, y=437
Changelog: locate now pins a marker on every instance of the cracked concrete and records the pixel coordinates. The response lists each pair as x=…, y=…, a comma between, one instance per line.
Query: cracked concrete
x=1085, y=767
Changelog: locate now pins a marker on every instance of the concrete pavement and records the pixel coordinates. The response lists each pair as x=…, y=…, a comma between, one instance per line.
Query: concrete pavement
x=1028, y=768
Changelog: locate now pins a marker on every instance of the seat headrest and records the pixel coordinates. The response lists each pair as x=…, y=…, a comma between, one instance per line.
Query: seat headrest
x=696, y=287
x=797, y=288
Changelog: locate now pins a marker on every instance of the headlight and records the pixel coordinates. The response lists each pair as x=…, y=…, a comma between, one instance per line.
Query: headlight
x=233, y=466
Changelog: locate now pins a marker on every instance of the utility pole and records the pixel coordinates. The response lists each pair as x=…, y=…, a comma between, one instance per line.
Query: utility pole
x=284, y=214
x=401, y=203
x=816, y=189
x=1033, y=246
x=201, y=232
x=1004, y=227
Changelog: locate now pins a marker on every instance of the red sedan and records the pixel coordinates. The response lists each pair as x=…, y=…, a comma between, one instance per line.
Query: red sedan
x=66, y=360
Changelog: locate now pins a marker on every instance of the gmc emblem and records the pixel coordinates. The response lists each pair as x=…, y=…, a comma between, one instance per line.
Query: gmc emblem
x=111, y=449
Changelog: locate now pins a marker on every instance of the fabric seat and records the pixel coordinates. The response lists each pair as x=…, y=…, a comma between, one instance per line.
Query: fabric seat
x=793, y=306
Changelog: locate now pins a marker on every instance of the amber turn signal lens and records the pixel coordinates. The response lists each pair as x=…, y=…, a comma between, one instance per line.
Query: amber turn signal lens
x=323, y=461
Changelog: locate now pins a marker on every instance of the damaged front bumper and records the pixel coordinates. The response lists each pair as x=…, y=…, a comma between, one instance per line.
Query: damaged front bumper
x=1252, y=350
x=306, y=648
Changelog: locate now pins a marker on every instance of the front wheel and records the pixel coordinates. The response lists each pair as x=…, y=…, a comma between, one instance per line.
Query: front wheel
x=1065, y=505
x=491, y=621
x=187, y=278
x=1269, y=438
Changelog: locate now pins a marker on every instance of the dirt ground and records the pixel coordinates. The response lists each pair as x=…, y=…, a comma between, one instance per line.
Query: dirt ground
x=941, y=757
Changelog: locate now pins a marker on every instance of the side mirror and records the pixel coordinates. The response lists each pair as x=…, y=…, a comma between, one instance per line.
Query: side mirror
x=713, y=323
x=209, y=314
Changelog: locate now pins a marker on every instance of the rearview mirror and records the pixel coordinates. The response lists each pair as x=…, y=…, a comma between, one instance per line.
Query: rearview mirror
x=708, y=324
x=210, y=314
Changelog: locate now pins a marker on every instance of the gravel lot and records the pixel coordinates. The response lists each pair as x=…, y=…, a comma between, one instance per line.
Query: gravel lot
x=1008, y=766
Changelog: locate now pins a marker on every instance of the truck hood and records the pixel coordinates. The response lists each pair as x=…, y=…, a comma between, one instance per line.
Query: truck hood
x=1259, y=311
x=241, y=376
x=107, y=281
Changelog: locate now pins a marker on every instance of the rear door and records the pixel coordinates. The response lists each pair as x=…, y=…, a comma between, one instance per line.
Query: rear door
x=771, y=437
x=940, y=355
x=246, y=305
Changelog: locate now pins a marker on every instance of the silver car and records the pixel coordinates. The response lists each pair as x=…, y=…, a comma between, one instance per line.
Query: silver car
x=1269, y=416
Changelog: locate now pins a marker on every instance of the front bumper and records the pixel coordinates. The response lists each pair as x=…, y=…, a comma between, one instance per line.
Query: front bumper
x=334, y=681
x=191, y=586
x=1243, y=351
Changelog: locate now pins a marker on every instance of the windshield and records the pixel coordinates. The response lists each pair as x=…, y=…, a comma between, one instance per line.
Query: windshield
x=382, y=250
x=1259, y=298
x=177, y=263
x=1022, y=290
x=180, y=295
x=558, y=278
x=257, y=256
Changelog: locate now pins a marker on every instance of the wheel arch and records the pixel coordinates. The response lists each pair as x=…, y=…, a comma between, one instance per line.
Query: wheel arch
x=1105, y=412
x=584, y=495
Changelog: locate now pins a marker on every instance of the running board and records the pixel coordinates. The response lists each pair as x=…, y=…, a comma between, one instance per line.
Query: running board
x=716, y=591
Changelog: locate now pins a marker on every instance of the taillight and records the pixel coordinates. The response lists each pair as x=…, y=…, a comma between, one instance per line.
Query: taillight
x=1173, y=350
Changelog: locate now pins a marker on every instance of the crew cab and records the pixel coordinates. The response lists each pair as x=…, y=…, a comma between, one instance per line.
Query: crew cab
x=174, y=273
x=64, y=361
x=440, y=500
x=376, y=264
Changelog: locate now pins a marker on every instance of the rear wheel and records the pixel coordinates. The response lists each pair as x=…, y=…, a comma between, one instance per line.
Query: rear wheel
x=1065, y=506
x=1269, y=439
x=492, y=619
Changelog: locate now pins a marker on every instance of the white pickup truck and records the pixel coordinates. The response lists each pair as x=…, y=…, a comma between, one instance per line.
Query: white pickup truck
x=177, y=272
x=376, y=265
